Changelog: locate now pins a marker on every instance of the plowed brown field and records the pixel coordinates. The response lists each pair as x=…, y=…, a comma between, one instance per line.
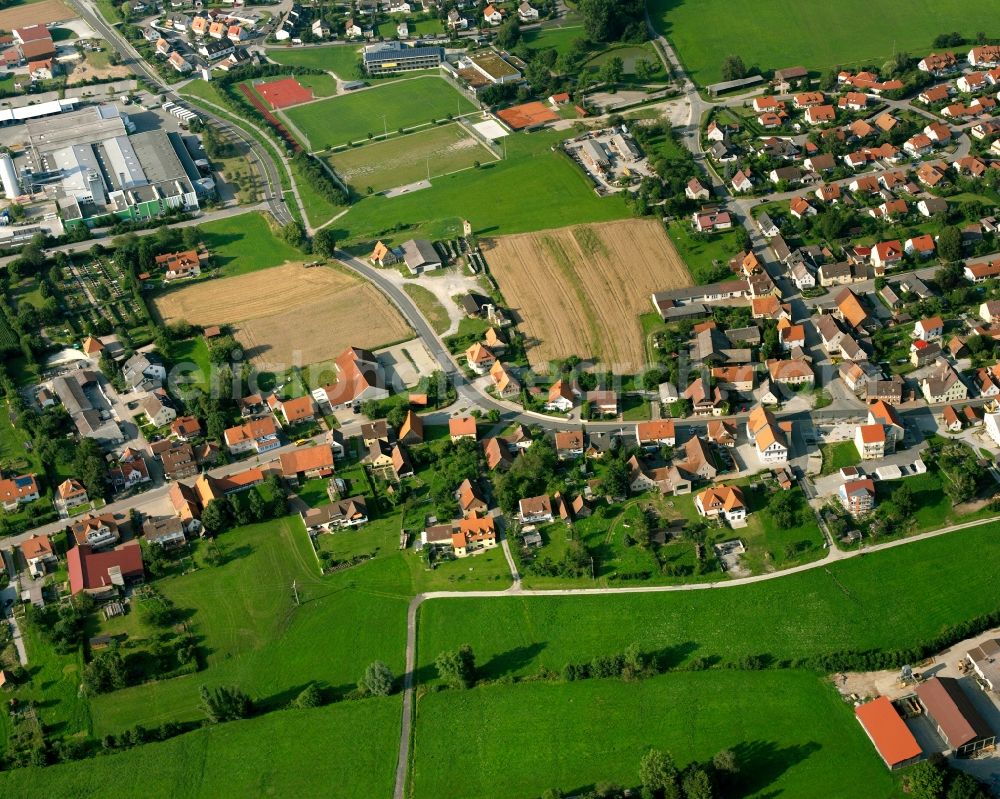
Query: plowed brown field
x=580, y=290
x=36, y=14
x=290, y=315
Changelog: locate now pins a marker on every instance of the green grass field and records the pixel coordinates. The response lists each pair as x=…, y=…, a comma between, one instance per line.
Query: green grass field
x=340, y=59
x=429, y=306
x=14, y=455
x=352, y=117
x=350, y=745
x=761, y=33
x=509, y=196
x=424, y=27
x=705, y=255
x=245, y=243
x=407, y=159
x=843, y=606
x=255, y=636
x=558, y=39
x=789, y=732
x=837, y=456
x=194, y=353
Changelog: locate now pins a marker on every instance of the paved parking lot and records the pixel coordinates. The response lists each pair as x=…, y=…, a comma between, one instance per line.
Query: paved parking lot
x=406, y=363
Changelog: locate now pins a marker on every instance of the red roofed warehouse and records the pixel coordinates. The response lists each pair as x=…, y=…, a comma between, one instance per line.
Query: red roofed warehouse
x=887, y=730
x=100, y=574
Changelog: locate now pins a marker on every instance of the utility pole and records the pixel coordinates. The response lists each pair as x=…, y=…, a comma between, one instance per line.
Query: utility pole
x=385, y=128
x=295, y=590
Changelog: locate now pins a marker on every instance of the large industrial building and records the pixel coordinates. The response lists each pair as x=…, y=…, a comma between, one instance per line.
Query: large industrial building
x=92, y=165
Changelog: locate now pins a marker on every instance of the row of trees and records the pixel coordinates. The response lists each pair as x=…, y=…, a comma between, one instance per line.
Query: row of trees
x=661, y=778
x=221, y=514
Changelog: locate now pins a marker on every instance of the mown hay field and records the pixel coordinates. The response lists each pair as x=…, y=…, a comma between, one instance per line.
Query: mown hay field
x=290, y=315
x=580, y=290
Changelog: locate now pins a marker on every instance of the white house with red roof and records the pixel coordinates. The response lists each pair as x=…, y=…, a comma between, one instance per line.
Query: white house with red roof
x=886, y=254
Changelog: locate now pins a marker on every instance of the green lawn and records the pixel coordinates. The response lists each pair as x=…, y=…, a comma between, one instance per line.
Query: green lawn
x=245, y=243
x=425, y=27
x=790, y=733
x=429, y=306
x=933, y=508
x=313, y=492
x=407, y=159
x=341, y=59
x=253, y=634
x=509, y=196
x=705, y=255
x=193, y=354
x=351, y=745
x=54, y=686
x=13, y=453
x=837, y=456
x=62, y=34
x=771, y=546
x=352, y=117
x=558, y=39
x=841, y=607
x=321, y=85
x=705, y=33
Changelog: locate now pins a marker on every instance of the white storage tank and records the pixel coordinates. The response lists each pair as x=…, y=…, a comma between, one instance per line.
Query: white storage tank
x=11, y=188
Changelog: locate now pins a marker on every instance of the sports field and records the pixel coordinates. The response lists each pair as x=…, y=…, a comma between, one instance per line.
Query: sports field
x=254, y=635
x=407, y=159
x=351, y=117
x=290, y=314
x=772, y=34
x=288, y=753
x=514, y=195
x=845, y=606
x=597, y=279
x=789, y=731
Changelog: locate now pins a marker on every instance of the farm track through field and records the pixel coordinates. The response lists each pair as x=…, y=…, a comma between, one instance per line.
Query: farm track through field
x=580, y=290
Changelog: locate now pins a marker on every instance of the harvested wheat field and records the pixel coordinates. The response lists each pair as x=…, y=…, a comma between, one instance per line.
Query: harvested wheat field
x=290, y=315
x=40, y=13
x=580, y=290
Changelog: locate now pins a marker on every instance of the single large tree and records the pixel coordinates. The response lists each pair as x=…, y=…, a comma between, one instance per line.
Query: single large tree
x=377, y=680
x=733, y=68
x=457, y=667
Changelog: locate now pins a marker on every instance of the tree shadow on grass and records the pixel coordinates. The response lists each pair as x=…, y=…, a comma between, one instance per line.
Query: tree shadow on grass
x=511, y=661
x=763, y=762
x=670, y=657
x=220, y=240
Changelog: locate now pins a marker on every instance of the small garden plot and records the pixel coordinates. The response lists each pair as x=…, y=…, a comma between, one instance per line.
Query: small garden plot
x=407, y=159
x=401, y=104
